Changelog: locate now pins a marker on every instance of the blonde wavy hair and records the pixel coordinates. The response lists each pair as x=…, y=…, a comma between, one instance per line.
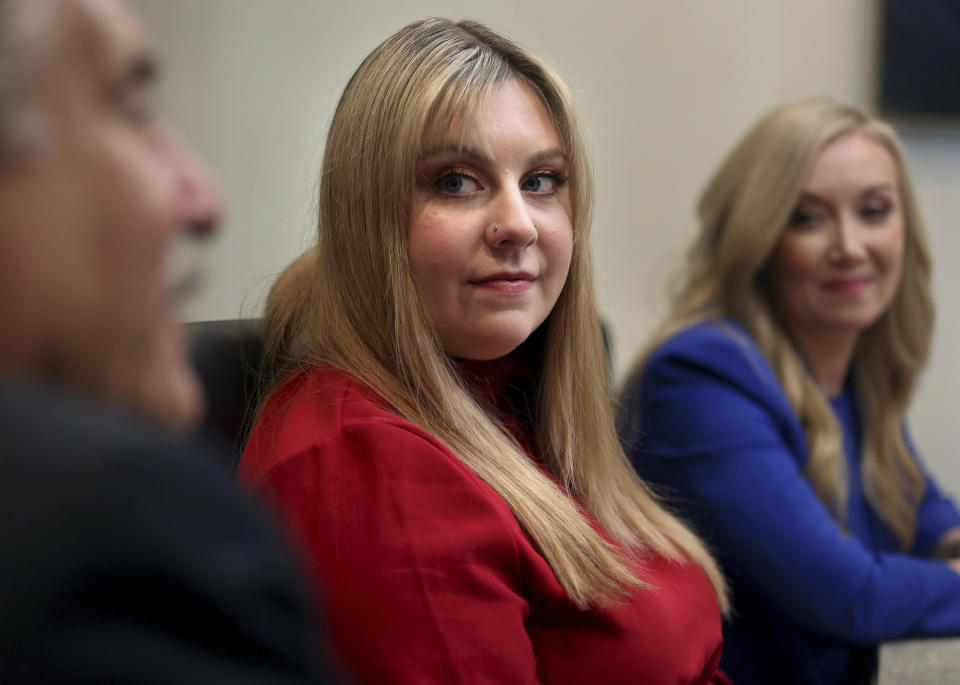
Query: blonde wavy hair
x=742, y=213
x=351, y=303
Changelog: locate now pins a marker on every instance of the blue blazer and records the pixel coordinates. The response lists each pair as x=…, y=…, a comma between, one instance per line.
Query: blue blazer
x=708, y=425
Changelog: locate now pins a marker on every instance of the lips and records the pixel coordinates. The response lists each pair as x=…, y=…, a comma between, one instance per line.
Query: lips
x=848, y=286
x=505, y=282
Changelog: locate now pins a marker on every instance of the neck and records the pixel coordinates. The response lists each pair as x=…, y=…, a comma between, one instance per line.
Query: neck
x=828, y=355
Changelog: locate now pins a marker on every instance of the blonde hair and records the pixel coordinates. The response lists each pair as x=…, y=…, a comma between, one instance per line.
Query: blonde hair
x=742, y=212
x=404, y=95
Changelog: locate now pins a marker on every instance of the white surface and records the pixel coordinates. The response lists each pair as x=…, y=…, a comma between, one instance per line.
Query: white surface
x=920, y=662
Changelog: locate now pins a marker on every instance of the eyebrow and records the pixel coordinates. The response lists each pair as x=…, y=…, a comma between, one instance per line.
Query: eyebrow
x=480, y=157
x=473, y=154
x=879, y=187
x=547, y=155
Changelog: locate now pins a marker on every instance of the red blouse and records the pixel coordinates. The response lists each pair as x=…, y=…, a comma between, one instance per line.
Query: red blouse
x=427, y=576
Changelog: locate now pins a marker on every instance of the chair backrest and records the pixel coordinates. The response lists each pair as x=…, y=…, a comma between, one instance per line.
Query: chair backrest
x=227, y=356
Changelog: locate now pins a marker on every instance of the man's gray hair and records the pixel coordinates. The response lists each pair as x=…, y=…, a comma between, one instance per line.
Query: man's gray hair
x=24, y=31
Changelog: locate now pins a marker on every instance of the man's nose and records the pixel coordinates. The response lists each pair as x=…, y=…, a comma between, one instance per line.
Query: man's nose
x=199, y=193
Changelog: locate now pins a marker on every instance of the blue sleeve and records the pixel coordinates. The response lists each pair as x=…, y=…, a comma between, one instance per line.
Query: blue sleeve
x=937, y=513
x=718, y=437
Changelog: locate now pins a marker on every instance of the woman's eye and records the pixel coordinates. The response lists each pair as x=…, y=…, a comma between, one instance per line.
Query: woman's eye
x=875, y=214
x=456, y=183
x=544, y=183
x=804, y=218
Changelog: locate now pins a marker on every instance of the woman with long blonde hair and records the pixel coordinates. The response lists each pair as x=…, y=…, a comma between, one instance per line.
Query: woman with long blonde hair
x=771, y=403
x=439, y=434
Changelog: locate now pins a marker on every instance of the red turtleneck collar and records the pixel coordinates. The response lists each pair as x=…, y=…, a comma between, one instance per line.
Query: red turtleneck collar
x=500, y=385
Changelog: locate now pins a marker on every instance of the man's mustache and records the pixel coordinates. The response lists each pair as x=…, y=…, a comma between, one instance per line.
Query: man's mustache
x=187, y=269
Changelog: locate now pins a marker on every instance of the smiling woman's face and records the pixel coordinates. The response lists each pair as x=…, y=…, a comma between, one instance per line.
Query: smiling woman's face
x=490, y=232
x=837, y=264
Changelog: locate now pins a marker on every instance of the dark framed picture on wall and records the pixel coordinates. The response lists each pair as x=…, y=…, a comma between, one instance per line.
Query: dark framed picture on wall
x=919, y=61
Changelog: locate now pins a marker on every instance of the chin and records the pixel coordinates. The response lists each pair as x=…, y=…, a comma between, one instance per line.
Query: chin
x=852, y=316
x=184, y=406
x=485, y=348
x=168, y=389
x=850, y=324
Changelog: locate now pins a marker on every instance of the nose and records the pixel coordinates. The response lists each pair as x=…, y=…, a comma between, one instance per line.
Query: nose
x=512, y=224
x=201, y=204
x=848, y=242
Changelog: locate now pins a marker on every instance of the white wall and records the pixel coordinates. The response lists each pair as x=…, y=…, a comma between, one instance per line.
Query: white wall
x=664, y=87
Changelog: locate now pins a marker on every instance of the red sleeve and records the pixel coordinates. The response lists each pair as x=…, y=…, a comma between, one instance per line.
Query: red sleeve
x=417, y=558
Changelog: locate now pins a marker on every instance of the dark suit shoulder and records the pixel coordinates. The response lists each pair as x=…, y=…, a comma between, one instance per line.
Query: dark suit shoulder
x=130, y=556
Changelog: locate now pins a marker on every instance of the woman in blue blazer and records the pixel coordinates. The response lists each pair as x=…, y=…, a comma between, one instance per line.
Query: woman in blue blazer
x=770, y=408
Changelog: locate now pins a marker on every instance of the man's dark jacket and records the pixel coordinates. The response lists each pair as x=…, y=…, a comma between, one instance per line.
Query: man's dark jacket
x=129, y=557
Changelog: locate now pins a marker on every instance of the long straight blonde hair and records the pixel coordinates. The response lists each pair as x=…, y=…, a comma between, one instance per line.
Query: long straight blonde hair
x=742, y=213
x=351, y=303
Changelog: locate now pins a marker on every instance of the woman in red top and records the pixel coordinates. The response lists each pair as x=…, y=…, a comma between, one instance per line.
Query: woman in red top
x=440, y=435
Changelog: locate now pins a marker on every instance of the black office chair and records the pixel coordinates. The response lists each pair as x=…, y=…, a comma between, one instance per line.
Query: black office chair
x=227, y=357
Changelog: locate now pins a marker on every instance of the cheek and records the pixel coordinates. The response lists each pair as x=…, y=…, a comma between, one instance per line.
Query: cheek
x=889, y=258
x=556, y=242
x=437, y=253
x=440, y=236
x=120, y=229
x=136, y=236
x=560, y=254
x=422, y=248
x=135, y=188
x=892, y=250
x=792, y=265
x=795, y=260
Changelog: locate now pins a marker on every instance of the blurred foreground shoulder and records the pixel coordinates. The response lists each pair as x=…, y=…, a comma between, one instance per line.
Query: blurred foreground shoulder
x=130, y=556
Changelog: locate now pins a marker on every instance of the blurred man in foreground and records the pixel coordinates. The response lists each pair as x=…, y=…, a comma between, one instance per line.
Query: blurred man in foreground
x=127, y=555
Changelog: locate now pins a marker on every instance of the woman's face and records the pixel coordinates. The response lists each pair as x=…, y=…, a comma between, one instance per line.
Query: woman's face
x=837, y=264
x=491, y=235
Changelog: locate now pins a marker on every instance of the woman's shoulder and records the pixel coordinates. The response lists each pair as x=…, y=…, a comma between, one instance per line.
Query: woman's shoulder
x=324, y=409
x=701, y=387
x=712, y=339
x=323, y=396
x=716, y=349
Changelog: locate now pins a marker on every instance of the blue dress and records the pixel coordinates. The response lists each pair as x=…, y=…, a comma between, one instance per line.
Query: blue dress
x=717, y=437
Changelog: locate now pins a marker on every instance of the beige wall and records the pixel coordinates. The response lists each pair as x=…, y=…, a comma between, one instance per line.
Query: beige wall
x=664, y=87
